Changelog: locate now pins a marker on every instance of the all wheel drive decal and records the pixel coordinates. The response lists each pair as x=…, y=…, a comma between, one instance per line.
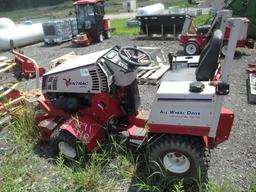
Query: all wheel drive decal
x=184, y=100
x=181, y=114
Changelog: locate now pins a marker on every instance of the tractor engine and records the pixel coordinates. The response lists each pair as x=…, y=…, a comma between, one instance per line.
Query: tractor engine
x=70, y=103
x=71, y=85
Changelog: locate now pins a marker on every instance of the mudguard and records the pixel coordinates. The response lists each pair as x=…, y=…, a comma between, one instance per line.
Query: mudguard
x=85, y=129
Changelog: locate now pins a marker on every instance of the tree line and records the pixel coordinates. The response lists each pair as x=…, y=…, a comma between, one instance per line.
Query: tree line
x=7, y=5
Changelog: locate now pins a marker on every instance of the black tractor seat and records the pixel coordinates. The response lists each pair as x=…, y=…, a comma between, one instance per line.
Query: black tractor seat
x=208, y=63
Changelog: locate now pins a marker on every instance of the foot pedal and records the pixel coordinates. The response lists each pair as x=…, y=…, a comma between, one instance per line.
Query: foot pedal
x=251, y=88
x=137, y=137
x=137, y=132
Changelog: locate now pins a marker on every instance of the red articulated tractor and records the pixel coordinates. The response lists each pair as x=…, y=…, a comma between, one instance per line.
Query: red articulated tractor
x=194, y=43
x=90, y=97
x=91, y=24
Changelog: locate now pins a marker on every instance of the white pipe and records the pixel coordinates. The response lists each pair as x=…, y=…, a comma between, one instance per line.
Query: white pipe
x=21, y=35
x=155, y=9
x=236, y=25
x=6, y=23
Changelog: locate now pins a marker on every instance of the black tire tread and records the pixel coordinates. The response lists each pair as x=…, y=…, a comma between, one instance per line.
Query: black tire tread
x=197, y=46
x=62, y=135
x=98, y=38
x=192, y=144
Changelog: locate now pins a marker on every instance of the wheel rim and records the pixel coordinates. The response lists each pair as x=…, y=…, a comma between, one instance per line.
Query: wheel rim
x=224, y=50
x=191, y=49
x=176, y=162
x=67, y=150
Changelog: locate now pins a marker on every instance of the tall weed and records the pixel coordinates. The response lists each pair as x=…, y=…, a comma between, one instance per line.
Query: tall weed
x=23, y=126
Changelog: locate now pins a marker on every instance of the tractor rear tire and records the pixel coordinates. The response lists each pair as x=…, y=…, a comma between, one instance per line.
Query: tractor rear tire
x=65, y=143
x=182, y=157
x=192, y=48
x=100, y=38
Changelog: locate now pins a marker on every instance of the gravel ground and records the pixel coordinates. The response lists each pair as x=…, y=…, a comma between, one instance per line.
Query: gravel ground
x=233, y=160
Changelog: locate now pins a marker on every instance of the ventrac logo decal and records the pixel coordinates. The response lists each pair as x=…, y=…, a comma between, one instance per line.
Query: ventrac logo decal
x=69, y=82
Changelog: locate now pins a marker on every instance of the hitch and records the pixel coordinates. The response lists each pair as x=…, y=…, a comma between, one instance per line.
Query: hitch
x=222, y=88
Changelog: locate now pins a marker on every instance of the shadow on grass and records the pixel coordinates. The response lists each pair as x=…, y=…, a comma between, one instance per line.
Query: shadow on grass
x=44, y=149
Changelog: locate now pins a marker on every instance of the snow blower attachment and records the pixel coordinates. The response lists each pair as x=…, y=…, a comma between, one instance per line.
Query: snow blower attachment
x=88, y=97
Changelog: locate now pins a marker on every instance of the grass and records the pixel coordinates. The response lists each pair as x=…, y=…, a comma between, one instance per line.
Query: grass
x=50, y=12
x=112, y=6
x=202, y=20
x=26, y=166
x=23, y=126
x=253, y=185
x=122, y=29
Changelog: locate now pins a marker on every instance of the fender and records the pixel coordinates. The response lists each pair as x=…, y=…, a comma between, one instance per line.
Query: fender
x=86, y=130
x=200, y=41
x=224, y=128
x=106, y=24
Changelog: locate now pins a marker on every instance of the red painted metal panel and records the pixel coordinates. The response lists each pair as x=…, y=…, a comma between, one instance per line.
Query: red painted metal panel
x=50, y=109
x=28, y=67
x=106, y=25
x=82, y=2
x=86, y=41
x=105, y=106
x=86, y=130
x=179, y=129
x=224, y=127
x=240, y=43
x=200, y=40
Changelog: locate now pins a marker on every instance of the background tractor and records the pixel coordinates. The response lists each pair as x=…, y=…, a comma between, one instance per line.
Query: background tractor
x=91, y=24
x=240, y=8
x=194, y=43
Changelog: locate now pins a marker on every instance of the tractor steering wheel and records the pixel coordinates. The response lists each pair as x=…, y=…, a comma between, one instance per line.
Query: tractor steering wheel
x=134, y=56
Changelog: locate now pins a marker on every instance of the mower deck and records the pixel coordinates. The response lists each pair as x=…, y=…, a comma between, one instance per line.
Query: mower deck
x=82, y=42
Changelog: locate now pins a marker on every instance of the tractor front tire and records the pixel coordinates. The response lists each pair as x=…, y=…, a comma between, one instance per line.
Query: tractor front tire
x=107, y=34
x=65, y=143
x=181, y=157
x=100, y=38
x=191, y=48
